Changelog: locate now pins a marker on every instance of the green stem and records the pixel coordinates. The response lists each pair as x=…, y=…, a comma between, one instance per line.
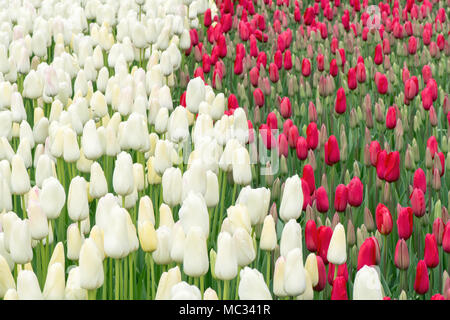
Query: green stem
x=117, y=280
x=226, y=285
x=92, y=294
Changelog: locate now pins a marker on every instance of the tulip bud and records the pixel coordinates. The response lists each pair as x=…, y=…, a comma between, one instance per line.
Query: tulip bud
x=28, y=286
x=401, y=255
x=421, y=283
x=167, y=281
x=52, y=197
x=6, y=278
x=268, y=240
x=292, y=199
x=54, y=287
x=77, y=200
x=252, y=285
x=195, y=261
x=20, y=181
x=226, y=265
x=294, y=273
x=367, y=285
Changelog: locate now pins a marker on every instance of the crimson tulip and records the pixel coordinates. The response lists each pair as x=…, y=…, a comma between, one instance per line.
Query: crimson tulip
x=355, y=192
x=401, y=258
x=369, y=253
x=322, y=200
x=405, y=223
x=431, y=253
x=383, y=219
x=302, y=148
x=422, y=282
x=332, y=153
x=339, y=290
x=418, y=202
x=311, y=236
x=340, y=104
x=324, y=236
x=420, y=180
x=340, y=198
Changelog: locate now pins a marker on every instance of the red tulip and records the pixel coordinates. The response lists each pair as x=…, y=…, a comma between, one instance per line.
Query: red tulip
x=278, y=59
x=254, y=76
x=273, y=73
x=293, y=136
x=320, y=62
x=438, y=296
x=374, y=150
x=405, y=223
x=308, y=176
x=391, y=118
x=324, y=236
x=401, y=258
x=431, y=253
x=392, y=165
x=339, y=290
x=381, y=164
x=272, y=121
x=427, y=98
x=340, y=104
x=287, y=125
x=418, y=202
x=322, y=274
x=383, y=219
x=287, y=60
x=420, y=180
x=340, y=198
x=382, y=84
x=302, y=148
x=378, y=58
x=283, y=146
x=361, y=72
x=412, y=45
x=322, y=200
x=238, y=65
x=306, y=194
x=411, y=89
x=369, y=253
x=342, y=272
x=206, y=63
x=311, y=236
x=426, y=73
x=312, y=135
x=432, y=145
x=261, y=60
x=355, y=192
x=207, y=18
x=332, y=154
x=286, y=108
x=333, y=68
x=306, y=67
x=253, y=46
x=422, y=283
x=446, y=238
x=232, y=102
x=267, y=136
x=258, y=97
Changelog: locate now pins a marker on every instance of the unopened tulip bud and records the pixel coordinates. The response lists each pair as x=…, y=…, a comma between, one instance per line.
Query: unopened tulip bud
x=294, y=273
x=20, y=181
x=226, y=264
x=77, y=200
x=73, y=289
x=195, y=261
x=91, y=266
x=268, y=240
x=123, y=178
x=252, y=285
x=368, y=220
x=52, y=197
x=401, y=255
x=28, y=286
x=311, y=268
x=54, y=288
x=292, y=199
x=367, y=285
x=6, y=278
x=74, y=242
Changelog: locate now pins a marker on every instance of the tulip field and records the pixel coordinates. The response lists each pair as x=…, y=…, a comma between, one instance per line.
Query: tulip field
x=224, y=150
